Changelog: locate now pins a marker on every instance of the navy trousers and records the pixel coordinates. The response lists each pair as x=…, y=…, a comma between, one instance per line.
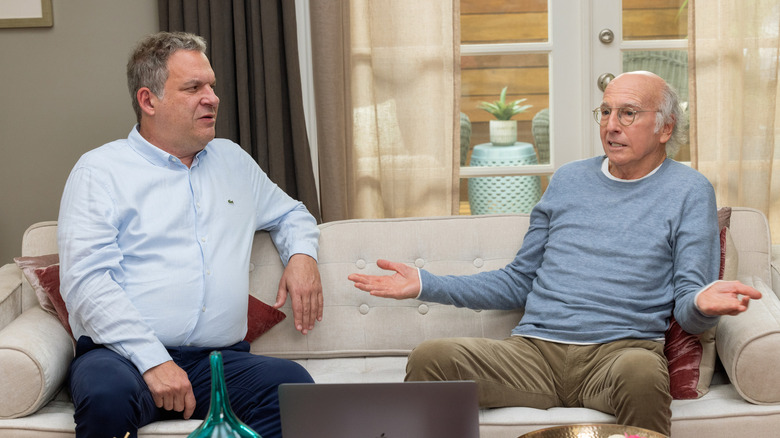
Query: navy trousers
x=111, y=397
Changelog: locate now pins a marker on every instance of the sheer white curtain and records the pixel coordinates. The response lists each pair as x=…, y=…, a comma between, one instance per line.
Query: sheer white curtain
x=734, y=131
x=386, y=90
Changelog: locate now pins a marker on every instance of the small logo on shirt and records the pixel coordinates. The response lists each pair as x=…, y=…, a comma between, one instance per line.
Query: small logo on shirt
x=230, y=201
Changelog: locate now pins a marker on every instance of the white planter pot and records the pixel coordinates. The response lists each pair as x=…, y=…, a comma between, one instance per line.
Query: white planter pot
x=503, y=132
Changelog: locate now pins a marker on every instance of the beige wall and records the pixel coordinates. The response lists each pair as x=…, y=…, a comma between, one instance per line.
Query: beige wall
x=62, y=93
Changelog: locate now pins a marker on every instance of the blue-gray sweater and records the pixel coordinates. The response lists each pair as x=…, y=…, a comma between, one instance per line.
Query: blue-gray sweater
x=603, y=260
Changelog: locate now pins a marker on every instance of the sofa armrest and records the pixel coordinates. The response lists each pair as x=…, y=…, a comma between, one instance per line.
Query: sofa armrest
x=10, y=293
x=35, y=353
x=749, y=348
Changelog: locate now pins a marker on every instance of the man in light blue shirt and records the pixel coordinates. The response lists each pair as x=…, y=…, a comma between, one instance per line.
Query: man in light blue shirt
x=155, y=234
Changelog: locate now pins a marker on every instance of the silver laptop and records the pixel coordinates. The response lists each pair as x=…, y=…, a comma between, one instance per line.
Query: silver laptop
x=380, y=410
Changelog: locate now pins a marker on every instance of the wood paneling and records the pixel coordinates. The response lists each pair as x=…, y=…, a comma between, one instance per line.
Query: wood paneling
x=644, y=24
x=503, y=21
x=503, y=28
x=468, y=7
x=651, y=4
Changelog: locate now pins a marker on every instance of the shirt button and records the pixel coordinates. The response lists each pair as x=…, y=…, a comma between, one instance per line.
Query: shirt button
x=203, y=309
x=208, y=271
x=203, y=239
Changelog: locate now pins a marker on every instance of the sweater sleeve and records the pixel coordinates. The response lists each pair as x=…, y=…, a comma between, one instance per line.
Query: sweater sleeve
x=503, y=289
x=696, y=258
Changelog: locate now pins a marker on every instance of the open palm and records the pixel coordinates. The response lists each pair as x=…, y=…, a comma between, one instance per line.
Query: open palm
x=405, y=283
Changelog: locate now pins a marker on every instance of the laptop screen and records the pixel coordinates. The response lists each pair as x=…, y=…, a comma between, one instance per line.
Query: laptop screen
x=379, y=410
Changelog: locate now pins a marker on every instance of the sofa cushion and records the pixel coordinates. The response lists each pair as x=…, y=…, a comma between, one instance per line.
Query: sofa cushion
x=357, y=324
x=35, y=352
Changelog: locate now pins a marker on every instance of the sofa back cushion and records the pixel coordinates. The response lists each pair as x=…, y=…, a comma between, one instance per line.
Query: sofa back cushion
x=358, y=324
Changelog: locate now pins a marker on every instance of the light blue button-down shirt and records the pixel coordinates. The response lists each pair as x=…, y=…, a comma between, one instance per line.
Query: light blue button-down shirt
x=156, y=254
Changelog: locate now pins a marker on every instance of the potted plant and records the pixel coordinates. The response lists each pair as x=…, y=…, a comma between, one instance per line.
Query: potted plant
x=503, y=130
x=503, y=194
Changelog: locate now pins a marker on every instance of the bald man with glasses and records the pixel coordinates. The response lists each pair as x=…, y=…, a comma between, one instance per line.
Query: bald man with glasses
x=617, y=245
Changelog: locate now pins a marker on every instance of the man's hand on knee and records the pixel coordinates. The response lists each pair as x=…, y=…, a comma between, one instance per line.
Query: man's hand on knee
x=171, y=388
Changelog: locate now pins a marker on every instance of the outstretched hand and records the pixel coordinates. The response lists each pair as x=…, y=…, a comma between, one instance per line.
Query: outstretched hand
x=405, y=283
x=726, y=298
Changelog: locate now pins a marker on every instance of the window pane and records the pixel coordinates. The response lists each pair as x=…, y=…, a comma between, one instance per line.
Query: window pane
x=526, y=76
x=672, y=65
x=503, y=21
x=655, y=20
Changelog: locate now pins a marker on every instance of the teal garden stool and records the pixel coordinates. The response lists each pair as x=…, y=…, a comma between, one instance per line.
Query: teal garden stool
x=503, y=194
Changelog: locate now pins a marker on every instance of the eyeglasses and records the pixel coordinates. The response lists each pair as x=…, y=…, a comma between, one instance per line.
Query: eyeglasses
x=625, y=115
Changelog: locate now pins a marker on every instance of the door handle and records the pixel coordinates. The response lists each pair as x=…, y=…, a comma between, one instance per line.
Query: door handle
x=604, y=80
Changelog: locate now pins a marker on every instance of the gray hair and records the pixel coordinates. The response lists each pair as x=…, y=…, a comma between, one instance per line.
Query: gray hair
x=671, y=112
x=148, y=64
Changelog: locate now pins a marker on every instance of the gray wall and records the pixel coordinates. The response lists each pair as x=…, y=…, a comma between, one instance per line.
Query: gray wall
x=62, y=93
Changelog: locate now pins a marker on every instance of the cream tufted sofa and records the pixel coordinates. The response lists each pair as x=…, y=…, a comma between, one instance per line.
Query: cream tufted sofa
x=366, y=339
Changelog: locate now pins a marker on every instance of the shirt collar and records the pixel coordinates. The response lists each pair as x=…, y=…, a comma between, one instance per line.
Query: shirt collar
x=605, y=170
x=155, y=155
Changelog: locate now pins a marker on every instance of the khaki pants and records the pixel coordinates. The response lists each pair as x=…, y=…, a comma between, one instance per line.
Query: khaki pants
x=627, y=378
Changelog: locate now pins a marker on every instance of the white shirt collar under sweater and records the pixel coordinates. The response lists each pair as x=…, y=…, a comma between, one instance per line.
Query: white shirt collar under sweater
x=605, y=169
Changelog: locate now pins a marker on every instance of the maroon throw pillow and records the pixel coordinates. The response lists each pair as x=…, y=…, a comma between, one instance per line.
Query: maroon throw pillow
x=28, y=265
x=261, y=318
x=684, y=354
x=49, y=279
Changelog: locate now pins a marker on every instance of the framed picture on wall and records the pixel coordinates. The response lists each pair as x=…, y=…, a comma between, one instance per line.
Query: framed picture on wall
x=25, y=13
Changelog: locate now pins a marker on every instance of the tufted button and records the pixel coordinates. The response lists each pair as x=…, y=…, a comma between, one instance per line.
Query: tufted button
x=360, y=263
x=251, y=267
x=478, y=262
x=419, y=263
x=423, y=309
x=363, y=309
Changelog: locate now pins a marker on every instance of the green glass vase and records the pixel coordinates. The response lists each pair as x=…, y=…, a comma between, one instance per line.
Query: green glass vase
x=221, y=422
